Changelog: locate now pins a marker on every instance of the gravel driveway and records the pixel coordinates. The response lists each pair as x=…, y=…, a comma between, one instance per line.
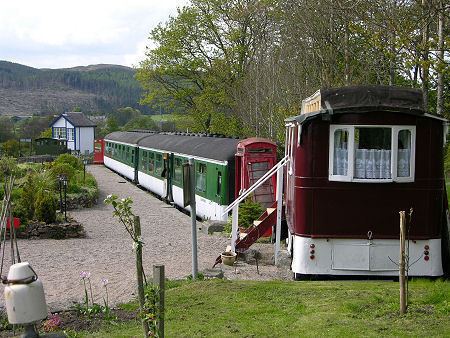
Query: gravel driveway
x=107, y=250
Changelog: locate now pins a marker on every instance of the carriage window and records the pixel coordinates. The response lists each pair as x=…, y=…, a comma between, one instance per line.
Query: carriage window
x=151, y=163
x=372, y=153
x=404, y=153
x=178, y=170
x=144, y=161
x=200, y=177
x=219, y=183
x=158, y=164
x=340, y=152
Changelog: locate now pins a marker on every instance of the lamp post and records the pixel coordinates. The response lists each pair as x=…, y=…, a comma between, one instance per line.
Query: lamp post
x=64, y=183
x=60, y=179
x=84, y=169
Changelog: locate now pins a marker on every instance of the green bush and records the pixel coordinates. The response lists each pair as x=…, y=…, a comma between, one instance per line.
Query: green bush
x=8, y=166
x=28, y=197
x=71, y=160
x=249, y=211
x=447, y=160
x=45, y=181
x=45, y=207
x=63, y=169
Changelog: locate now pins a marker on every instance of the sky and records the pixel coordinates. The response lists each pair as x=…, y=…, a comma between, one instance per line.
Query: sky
x=62, y=33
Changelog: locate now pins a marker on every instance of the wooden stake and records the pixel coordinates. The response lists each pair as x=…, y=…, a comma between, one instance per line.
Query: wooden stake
x=159, y=281
x=402, y=267
x=139, y=272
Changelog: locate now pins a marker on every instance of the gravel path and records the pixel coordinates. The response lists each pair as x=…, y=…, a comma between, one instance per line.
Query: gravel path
x=107, y=250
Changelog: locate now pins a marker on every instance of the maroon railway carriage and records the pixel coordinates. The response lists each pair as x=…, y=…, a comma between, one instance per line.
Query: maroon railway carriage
x=358, y=156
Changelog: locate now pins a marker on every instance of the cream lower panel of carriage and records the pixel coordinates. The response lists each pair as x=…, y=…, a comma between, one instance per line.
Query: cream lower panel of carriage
x=155, y=185
x=205, y=208
x=119, y=167
x=363, y=257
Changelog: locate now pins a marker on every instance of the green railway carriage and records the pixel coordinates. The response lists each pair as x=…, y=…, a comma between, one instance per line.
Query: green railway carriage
x=155, y=162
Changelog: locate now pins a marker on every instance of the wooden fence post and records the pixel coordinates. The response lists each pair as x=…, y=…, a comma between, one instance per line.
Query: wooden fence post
x=402, y=267
x=159, y=281
x=140, y=274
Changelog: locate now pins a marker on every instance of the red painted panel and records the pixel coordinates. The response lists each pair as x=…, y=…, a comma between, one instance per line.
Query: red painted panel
x=16, y=223
x=253, y=150
x=99, y=151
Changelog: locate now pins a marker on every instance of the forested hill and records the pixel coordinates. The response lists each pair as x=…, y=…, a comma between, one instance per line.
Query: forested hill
x=96, y=88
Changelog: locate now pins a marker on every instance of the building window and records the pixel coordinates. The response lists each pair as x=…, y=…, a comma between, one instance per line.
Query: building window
x=200, y=177
x=70, y=134
x=372, y=153
x=59, y=132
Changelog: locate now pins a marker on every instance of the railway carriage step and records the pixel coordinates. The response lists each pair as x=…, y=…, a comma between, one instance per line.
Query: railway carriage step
x=260, y=228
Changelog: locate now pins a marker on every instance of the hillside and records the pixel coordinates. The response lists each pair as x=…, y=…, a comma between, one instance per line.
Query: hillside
x=96, y=88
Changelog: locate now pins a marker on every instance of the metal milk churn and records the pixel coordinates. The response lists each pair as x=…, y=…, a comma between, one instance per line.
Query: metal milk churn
x=24, y=295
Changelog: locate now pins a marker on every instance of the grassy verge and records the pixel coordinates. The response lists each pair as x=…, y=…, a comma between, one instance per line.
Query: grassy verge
x=284, y=309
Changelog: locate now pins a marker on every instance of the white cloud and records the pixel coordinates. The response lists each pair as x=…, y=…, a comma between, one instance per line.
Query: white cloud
x=57, y=33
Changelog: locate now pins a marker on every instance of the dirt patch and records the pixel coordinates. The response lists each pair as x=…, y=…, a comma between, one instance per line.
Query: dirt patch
x=72, y=320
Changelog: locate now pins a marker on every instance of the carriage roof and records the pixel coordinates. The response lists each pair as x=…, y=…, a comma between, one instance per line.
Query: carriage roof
x=200, y=145
x=130, y=137
x=212, y=147
x=362, y=99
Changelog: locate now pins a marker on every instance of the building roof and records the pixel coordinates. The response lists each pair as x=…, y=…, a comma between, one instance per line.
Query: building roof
x=76, y=119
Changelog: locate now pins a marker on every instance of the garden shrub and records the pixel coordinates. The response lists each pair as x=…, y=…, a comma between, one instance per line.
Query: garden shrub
x=44, y=180
x=71, y=160
x=8, y=166
x=45, y=207
x=248, y=212
x=63, y=169
x=28, y=198
x=447, y=160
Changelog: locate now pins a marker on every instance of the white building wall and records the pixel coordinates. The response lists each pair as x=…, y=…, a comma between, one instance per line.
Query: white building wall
x=86, y=139
x=77, y=138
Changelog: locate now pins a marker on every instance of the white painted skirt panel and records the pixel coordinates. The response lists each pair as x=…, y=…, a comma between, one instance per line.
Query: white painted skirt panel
x=119, y=167
x=363, y=257
x=151, y=183
x=206, y=209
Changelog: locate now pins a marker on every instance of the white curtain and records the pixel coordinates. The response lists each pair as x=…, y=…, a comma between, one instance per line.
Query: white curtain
x=372, y=164
x=403, y=162
x=340, y=165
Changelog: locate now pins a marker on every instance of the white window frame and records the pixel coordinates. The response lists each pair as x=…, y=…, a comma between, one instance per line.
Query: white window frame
x=60, y=132
x=395, y=132
x=351, y=154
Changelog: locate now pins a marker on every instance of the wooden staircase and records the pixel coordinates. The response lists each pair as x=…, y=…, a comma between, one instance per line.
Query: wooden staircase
x=259, y=228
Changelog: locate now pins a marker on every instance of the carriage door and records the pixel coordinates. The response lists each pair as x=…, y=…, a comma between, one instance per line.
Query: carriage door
x=165, y=175
x=99, y=151
x=264, y=194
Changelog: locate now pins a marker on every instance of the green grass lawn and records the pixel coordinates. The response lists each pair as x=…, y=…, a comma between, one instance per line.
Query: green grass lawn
x=220, y=308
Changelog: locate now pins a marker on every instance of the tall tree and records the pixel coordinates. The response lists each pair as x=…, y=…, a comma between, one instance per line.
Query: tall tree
x=201, y=56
